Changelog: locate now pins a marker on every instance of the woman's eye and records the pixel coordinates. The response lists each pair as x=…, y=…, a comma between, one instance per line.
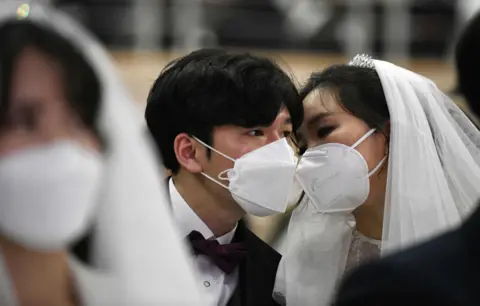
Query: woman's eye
x=28, y=122
x=255, y=133
x=25, y=118
x=324, y=131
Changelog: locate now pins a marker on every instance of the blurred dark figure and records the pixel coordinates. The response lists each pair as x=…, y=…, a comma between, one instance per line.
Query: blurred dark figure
x=467, y=66
x=445, y=270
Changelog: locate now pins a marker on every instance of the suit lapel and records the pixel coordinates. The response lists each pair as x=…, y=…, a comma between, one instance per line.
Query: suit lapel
x=257, y=271
x=236, y=299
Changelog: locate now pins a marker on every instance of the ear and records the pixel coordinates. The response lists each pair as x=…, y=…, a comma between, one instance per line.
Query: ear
x=185, y=151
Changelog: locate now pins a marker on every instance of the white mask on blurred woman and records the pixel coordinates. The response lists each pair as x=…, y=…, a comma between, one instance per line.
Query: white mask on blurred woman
x=48, y=194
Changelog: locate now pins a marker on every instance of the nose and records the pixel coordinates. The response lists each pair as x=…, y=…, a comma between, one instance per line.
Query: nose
x=274, y=136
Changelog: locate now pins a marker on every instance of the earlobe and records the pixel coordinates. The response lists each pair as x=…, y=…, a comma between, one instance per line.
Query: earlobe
x=185, y=151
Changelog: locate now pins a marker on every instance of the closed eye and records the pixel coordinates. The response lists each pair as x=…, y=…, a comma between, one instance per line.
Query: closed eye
x=26, y=117
x=324, y=131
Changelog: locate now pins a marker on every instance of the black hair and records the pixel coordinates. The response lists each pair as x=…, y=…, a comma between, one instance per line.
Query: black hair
x=467, y=62
x=81, y=85
x=358, y=90
x=210, y=88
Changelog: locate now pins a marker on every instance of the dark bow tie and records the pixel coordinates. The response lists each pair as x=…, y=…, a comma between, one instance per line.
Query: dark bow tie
x=226, y=256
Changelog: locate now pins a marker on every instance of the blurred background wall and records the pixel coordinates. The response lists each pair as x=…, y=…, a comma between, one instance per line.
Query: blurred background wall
x=303, y=35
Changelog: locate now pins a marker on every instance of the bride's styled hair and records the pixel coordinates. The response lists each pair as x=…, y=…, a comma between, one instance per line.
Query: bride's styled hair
x=358, y=90
x=78, y=75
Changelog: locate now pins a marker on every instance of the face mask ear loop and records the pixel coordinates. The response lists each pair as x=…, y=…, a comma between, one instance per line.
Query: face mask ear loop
x=218, y=183
x=356, y=144
x=225, y=175
x=228, y=175
x=378, y=166
x=214, y=150
x=214, y=180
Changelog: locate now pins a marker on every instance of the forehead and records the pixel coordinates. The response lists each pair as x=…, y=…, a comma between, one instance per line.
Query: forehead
x=35, y=75
x=282, y=117
x=35, y=69
x=320, y=102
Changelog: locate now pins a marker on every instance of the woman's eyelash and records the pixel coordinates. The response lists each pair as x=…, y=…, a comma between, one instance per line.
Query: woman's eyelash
x=324, y=131
x=255, y=132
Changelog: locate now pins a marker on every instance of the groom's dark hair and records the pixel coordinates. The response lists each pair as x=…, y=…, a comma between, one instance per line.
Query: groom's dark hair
x=209, y=88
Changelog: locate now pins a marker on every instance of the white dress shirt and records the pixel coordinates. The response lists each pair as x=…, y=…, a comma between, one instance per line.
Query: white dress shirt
x=218, y=286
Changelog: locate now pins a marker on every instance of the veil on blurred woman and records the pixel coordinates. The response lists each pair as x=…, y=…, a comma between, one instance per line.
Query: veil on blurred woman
x=432, y=184
x=134, y=244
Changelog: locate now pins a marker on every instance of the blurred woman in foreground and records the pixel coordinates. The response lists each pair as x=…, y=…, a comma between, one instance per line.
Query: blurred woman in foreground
x=74, y=159
x=389, y=161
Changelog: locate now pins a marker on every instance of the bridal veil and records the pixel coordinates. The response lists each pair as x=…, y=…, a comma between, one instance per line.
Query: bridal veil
x=135, y=240
x=432, y=184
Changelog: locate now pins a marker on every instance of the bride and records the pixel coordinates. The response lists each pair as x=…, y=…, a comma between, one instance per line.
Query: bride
x=74, y=158
x=388, y=161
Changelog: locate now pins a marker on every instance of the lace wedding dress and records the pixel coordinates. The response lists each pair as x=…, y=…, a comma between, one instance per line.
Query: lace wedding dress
x=362, y=249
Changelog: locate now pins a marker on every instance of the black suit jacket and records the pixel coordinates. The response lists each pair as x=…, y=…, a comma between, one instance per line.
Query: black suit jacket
x=257, y=271
x=444, y=271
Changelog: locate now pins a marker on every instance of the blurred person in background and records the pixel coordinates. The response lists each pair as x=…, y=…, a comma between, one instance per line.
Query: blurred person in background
x=388, y=161
x=74, y=159
x=467, y=63
x=443, y=271
x=221, y=123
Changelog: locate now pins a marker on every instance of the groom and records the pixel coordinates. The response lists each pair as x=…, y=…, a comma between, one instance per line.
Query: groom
x=233, y=104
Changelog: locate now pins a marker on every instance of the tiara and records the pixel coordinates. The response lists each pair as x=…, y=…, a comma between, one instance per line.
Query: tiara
x=23, y=11
x=362, y=60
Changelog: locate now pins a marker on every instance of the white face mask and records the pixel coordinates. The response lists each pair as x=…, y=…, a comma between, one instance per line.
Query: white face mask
x=261, y=180
x=335, y=177
x=48, y=194
x=295, y=194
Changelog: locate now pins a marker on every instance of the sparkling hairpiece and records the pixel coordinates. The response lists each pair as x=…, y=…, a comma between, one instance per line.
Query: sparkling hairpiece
x=23, y=11
x=362, y=60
